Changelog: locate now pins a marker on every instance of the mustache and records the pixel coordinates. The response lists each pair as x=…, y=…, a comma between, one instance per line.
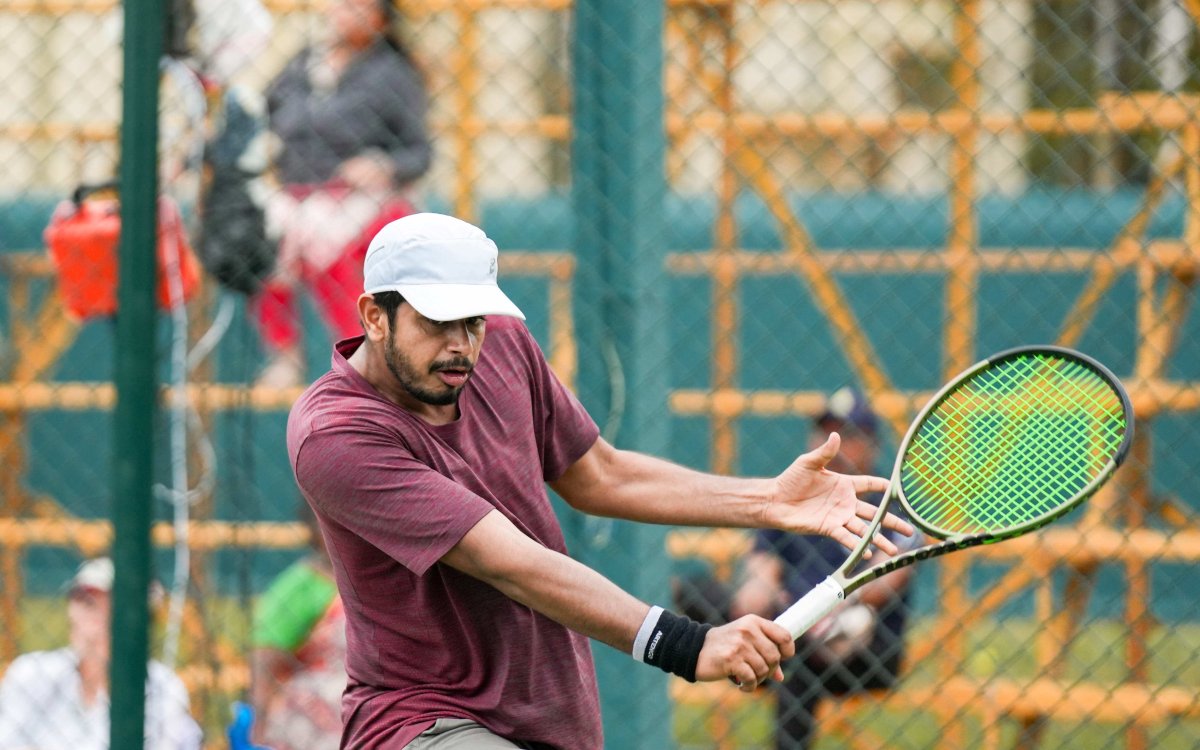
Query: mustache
x=458, y=363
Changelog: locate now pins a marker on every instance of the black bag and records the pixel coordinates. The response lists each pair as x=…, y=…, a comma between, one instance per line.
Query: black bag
x=234, y=247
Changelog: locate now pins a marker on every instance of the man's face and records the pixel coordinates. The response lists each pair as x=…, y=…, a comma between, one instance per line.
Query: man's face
x=356, y=22
x=859, y=447
x=431, y=360
x=88, y=612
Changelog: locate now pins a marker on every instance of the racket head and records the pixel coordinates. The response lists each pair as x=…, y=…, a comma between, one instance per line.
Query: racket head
x=1014, y=442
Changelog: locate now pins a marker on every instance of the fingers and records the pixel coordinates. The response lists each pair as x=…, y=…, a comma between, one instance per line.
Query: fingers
x=747, y=651
x=858, y=527
x=895, y=523
x=847, y=539
x=852, y=532
x=864, y=483
x=819, y=458
x=866, y=512
x=885, y=545
x=750, y=674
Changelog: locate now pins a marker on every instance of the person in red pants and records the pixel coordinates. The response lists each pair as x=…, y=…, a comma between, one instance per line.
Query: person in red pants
x=348, y=115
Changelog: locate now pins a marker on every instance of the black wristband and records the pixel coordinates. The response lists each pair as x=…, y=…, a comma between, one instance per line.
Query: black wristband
x=674, y=645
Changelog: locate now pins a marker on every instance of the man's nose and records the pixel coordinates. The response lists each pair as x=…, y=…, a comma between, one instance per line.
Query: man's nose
x=459, y=336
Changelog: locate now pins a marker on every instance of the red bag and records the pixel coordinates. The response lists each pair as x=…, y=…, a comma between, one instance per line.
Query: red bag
x=82, y=239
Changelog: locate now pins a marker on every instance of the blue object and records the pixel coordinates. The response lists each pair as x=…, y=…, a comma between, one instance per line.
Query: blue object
x=239, y=728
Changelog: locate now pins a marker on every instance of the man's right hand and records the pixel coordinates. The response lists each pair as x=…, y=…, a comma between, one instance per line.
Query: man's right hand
x=748, y=651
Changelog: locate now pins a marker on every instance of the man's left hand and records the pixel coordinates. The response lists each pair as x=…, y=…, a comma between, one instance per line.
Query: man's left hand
x=810, y=499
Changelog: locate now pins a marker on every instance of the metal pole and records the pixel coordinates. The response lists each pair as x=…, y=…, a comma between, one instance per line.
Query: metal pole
x=135, y=378
x=618, y=192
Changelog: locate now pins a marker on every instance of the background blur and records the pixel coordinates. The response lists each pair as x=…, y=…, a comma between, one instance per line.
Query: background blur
x=711, y=229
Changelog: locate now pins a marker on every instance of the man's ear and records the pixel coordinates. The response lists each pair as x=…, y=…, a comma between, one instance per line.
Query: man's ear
x=373, y=318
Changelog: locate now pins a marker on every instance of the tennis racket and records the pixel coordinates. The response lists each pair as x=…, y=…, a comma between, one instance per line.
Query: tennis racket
x=1013, y=443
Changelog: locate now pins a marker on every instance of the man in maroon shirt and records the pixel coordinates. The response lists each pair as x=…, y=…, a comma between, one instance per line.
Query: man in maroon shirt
x=425, y=456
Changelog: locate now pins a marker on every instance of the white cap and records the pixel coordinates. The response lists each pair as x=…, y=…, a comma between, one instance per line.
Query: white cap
x=94, y=574
x=444, y=267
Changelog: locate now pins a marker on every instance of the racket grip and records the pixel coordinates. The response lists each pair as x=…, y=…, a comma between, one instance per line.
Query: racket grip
x=814, y=605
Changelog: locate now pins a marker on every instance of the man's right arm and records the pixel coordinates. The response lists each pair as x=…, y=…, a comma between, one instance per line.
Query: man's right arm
x=496, y=552
x=466, y=532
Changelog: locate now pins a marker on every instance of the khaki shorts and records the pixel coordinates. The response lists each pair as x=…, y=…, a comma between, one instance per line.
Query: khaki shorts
x=460, y=734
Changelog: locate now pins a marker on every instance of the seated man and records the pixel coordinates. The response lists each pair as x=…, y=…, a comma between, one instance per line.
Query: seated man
x=57, y=700
x=857, y=647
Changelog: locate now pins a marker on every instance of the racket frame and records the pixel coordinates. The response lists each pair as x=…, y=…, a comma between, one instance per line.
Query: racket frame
x=825, y=596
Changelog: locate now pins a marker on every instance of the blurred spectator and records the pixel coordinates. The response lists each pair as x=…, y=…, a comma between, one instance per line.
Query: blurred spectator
x=58, y=700
x=860, y=645
x=349, y=118
x=299, y=656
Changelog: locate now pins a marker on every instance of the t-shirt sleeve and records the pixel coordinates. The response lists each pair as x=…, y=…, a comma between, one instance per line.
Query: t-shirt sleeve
x=567, y=430
x=291, y=607
x=368, y=483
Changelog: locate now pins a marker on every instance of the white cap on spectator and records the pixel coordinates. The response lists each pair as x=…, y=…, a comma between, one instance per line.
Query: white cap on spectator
x=444, y=267
x=96, y=574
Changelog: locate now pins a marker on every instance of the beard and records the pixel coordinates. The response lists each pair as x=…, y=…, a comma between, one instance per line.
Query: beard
x=406, y=374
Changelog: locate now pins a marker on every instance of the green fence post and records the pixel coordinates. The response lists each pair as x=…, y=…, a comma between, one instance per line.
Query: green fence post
x=618, y=190
x=135, y=376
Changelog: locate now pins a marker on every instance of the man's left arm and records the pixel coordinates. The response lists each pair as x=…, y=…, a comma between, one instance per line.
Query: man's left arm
x=807, y=498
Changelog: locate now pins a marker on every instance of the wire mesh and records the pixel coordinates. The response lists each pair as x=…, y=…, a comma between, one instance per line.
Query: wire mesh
x=858, y=194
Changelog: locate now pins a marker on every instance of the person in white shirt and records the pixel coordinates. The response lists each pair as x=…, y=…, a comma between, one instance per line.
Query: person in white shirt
x=58, y=700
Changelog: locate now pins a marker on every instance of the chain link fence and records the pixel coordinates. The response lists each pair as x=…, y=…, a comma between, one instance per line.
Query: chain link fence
x=855, y=200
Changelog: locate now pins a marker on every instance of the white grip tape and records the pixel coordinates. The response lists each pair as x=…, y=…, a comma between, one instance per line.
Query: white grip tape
x=814, y=605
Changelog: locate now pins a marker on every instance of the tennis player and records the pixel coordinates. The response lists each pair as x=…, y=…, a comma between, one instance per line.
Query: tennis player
x=425, y=455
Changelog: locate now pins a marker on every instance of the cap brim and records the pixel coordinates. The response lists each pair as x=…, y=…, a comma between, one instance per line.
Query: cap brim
x=833, y=420
x=80, y=587
x=456, y=301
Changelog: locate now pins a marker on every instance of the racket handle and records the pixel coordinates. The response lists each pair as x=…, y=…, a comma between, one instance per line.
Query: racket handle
x=814, y=605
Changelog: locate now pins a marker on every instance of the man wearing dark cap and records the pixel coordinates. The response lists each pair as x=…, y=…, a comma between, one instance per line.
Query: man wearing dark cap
x=425, y=454
x=857, y=647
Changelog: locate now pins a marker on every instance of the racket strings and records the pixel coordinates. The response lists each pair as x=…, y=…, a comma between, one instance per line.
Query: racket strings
x=1038, y=464
x=973, y=481
x=1001, y=447
x=1021, y=499
x=1012, y=443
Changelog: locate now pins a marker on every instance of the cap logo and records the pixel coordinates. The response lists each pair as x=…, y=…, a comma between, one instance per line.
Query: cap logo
x=492, y=268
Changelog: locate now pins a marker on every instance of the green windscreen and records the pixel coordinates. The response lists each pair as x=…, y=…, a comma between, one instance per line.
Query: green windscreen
x=1012, y=443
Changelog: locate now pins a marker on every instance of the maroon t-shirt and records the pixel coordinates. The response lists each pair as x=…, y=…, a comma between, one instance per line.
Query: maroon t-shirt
x=393, y=494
